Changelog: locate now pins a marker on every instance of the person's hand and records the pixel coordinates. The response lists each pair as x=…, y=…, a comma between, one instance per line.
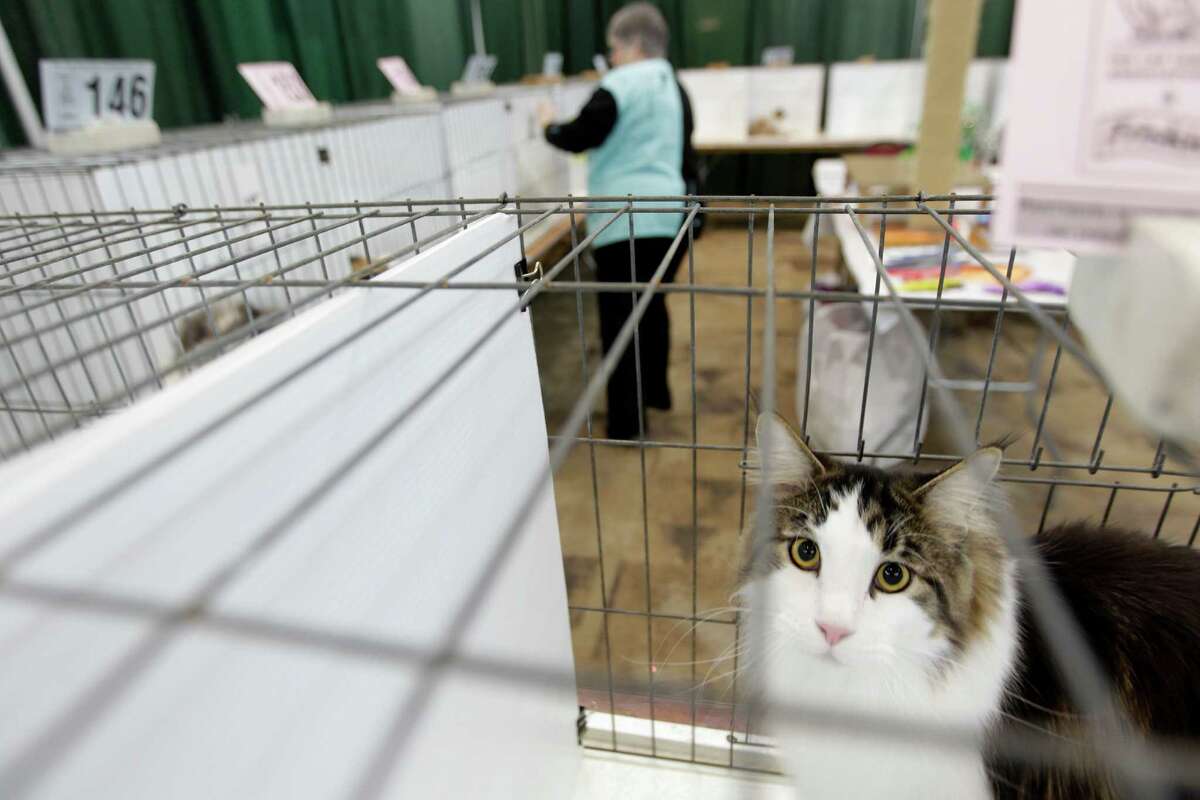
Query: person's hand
x=545, y=113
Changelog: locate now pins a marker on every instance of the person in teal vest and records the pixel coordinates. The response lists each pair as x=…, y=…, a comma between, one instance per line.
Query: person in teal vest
x=636, y=129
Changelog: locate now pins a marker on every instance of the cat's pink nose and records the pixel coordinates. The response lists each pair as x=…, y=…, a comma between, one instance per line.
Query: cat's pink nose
x=833, y=633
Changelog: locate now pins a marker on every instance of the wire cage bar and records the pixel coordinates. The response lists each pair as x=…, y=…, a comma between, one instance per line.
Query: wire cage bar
x=101, y=309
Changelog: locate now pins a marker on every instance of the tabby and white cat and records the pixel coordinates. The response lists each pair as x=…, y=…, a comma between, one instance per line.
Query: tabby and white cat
x=894, y=595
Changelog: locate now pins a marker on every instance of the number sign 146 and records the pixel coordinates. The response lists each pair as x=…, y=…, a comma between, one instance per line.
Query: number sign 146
x=76, y=92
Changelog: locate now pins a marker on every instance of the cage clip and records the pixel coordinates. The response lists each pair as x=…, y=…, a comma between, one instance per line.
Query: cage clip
x=179, y=210
x=537, y=270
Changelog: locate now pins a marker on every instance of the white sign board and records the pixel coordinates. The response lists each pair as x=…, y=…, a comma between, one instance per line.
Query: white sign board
x=479, y=68
x=552, y=64
x=1102, y=122
x=277, y=84
x=76, y=92
x=396, y=70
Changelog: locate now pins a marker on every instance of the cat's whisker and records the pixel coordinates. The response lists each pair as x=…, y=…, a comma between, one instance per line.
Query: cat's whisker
x=732, y=650
x=1054, y=712
x=706, y=616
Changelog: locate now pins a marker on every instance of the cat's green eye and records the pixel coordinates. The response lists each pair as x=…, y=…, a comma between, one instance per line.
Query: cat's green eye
x=805, y=553
x=892, y=577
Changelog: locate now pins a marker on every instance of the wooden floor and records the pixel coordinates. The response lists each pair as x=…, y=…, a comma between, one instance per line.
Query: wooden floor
x=667, y=519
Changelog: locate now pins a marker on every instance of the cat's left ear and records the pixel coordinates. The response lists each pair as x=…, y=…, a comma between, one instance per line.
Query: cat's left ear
x=962, y=495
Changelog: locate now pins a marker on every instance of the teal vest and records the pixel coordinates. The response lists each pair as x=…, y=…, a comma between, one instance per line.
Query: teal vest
x=643, y=154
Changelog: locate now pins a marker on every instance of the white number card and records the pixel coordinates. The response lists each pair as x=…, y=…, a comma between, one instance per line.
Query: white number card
x=277, y=84
x=76, y=92
x=780, y=56
x=479, y=68
x=397, y=71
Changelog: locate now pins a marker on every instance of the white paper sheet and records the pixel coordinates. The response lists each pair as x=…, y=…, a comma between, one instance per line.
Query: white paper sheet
x=1102, y=121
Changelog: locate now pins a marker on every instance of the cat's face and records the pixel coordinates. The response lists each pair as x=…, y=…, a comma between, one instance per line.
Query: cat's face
x=870, y=573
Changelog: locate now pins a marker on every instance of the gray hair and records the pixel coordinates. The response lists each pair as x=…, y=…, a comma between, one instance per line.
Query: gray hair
x=643, y=25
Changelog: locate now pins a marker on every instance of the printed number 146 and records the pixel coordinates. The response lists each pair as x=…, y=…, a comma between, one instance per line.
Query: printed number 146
x=126, y=97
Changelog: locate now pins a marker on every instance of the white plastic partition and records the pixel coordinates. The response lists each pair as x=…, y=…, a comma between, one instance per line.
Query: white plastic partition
x=384, y=545
x=726, y=101
x=720, y=103
x=882, y=100
x=790, y=97
x=875, y=100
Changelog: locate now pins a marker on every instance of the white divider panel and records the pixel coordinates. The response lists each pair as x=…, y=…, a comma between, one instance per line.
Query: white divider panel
x=882, y=99
x=572, y=96
x=538, y=168
x=390, y=551
x=475, y=129
x=726, y=101
x=874, y=100
x=789, y=96
x=720, y=102
x=366, y=155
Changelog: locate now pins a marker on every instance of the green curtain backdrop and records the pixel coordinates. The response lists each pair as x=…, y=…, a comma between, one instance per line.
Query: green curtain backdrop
x=319, y=45
x=236, y=31
x=197, y=44
x=160, y=31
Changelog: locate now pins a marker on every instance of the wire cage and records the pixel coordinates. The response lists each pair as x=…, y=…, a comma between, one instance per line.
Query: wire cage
x=101, y=310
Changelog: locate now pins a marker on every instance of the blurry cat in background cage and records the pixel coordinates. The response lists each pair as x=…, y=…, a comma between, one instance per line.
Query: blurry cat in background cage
x=221, y=319
x=894, y=595
x=227, y=316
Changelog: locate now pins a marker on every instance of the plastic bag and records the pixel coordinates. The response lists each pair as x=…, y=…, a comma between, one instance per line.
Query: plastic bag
x=841, y=335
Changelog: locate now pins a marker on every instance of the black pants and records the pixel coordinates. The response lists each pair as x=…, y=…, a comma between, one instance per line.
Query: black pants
x=653, y=335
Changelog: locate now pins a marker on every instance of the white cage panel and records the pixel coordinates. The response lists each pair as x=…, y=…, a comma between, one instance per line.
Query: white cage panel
x=475, y=129
x=341, y=511
x=372, y=157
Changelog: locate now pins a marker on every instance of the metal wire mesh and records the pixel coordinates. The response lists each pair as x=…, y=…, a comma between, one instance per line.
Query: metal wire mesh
x=99, y=309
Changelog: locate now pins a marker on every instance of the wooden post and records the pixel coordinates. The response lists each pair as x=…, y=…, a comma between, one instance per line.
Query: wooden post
x=951, y=32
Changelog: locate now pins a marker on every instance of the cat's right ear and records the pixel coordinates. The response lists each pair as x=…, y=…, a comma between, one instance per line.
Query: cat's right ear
x=965, y=494
x=783, y=454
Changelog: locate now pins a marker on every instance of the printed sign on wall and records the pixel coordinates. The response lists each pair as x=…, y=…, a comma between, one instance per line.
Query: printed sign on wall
x=1103, y=122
